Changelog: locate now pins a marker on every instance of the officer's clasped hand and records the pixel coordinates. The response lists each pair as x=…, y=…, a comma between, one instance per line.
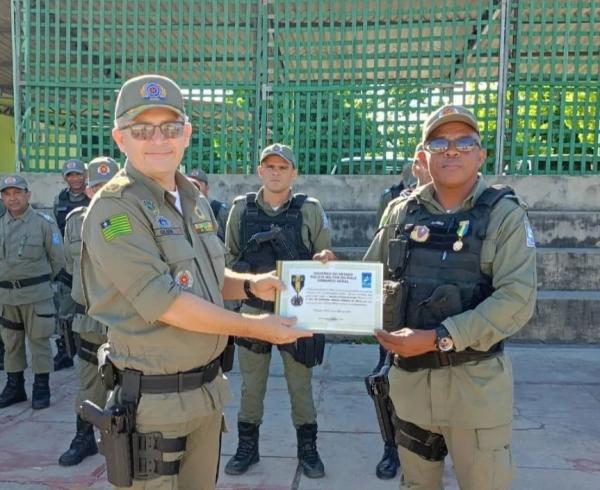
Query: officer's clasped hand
x=407, y=342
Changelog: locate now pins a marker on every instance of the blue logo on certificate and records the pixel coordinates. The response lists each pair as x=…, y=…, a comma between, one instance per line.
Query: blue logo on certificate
x=367, y=280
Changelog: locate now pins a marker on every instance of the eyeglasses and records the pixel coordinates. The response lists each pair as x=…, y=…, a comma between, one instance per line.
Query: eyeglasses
x=464, y=144
x=145, y=131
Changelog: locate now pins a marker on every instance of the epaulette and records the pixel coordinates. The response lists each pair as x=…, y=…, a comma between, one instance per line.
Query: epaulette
x=239, y=198
x=45, y=216
x=117, y=184
x=314, y=200
x=77, y=210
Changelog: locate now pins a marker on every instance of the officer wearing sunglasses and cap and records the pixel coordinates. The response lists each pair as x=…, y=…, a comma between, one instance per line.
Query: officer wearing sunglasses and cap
x=461, y=255
x=153, y=271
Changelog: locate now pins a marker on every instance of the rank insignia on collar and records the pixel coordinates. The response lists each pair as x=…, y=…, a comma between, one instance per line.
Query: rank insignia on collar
x=149, y=205
x=420, y=234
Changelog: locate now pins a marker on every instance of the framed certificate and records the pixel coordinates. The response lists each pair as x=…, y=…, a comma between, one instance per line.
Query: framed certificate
x=338, y=297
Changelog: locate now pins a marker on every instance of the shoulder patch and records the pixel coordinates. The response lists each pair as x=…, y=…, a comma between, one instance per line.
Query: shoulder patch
x=530, y=238
x=116, y=185
x=46, y=217
x=75, y=211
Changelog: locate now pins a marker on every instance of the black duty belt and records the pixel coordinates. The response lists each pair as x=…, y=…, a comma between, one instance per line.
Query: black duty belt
x=437, y=360
x=256, y=347
x=175, y=383
x=79, y=309
x=23, y=283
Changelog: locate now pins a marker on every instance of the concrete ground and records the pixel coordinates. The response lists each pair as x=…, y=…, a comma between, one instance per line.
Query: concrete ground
x=556, y=430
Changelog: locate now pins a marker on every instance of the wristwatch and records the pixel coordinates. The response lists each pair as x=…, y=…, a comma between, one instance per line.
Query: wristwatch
x=443, y=341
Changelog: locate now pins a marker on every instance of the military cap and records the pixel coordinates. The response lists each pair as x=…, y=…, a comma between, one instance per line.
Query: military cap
x=199, y=175
x=101, y=170
x=447, y=114
x=73, y=165
x=278, y=149
x=14, y=180
x=148, y=92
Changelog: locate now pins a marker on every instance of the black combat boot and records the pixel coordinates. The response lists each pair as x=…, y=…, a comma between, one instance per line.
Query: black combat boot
x=82, y=445
x=61, y=359
x=14, y=391
x=1, y=355
x=312, y=466
x=387, y=468
x=247, y=450
x=40, y=397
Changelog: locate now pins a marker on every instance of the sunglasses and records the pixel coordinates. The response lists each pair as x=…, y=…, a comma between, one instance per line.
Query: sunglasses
x=145, y=131
x=464, y=144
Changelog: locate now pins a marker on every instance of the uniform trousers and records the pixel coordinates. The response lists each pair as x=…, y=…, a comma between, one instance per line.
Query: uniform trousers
x=90, y=382
x=36, y=322
x=200, y=460
x=482, y=460
x=254, y=369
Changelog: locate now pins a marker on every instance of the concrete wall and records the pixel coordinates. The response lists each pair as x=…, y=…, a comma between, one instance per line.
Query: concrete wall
x=362, y=192
x=564, y=212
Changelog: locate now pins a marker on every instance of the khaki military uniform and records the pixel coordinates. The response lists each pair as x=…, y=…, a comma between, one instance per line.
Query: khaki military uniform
x=30, y=247
x=470, y=404
x=254, y=367
x=66, y=307
x=139, y=253
x=90, y=331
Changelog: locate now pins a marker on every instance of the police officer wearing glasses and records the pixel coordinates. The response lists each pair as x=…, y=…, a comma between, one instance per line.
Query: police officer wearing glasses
x=461, y=257
x=153, y=271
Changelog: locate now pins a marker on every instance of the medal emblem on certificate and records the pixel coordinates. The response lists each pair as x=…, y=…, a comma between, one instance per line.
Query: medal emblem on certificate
x=297, y=281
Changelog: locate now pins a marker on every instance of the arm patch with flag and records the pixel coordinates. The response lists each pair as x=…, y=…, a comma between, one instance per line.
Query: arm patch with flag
x=115, y=226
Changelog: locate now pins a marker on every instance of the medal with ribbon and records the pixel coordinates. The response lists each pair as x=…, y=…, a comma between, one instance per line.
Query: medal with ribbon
x=463, y=228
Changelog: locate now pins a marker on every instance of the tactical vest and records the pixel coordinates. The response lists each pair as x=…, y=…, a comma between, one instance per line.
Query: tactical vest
x=216, y=207
x=440, y=268
x=65, y=206
x=261, y=256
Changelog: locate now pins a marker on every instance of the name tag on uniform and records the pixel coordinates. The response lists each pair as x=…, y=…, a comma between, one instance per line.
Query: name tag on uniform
x=204, y=227
x=168, y=231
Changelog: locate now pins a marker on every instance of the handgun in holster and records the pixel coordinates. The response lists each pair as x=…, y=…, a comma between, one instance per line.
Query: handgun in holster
x=65, y=326
x=115, y=428
x=378, y=388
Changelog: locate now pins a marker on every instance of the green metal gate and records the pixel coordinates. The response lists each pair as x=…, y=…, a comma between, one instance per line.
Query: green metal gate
x=346, y=83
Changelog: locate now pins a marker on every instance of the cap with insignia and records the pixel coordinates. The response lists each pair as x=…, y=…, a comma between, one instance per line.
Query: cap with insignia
x=101, y=170
x=73, y=165
x=14, y=180
x=280, y=150
x=199, y=175
x=448, y=114
x=148, y=92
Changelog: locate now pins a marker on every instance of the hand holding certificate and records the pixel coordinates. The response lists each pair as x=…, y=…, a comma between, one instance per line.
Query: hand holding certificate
x=336, y=297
